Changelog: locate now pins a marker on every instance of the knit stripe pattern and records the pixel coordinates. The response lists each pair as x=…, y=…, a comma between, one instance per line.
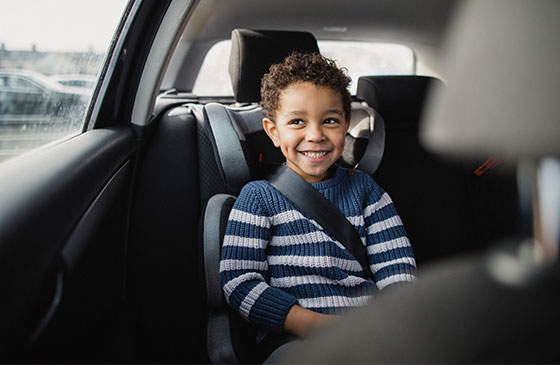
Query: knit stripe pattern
x=274, y=255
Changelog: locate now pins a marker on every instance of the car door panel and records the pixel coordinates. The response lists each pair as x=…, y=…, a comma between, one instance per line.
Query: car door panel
x=70, y=187
x=65, y=266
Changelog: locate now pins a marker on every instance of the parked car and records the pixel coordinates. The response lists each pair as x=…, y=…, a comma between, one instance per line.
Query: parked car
x=104, y=253
x=78, y=81
x=31, y=93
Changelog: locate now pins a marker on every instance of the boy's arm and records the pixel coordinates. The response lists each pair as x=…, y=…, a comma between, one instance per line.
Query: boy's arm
x=390, y=254
x=301, y=321
x=244, y=266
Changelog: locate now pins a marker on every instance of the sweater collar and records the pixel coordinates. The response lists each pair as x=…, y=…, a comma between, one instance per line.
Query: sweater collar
x=337, y=174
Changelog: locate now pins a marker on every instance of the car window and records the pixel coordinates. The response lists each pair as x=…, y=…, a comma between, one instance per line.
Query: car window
x=359, y=58
x=42, y=43
x=368, y=58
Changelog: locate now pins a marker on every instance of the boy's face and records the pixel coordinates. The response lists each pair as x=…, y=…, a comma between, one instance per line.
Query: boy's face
x=309, y=128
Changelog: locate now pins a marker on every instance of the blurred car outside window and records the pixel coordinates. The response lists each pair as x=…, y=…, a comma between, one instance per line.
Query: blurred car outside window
x=359, y=58
x=51, y=52
x=82, y=81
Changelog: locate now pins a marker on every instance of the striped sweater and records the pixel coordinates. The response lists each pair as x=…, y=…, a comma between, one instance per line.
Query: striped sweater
x=274, y=256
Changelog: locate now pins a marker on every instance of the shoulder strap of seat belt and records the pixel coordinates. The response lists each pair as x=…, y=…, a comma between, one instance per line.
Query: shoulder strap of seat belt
x=230, y=153
x=319, y=208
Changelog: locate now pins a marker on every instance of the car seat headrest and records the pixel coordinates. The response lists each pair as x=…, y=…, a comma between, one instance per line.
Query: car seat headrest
x=396, y=98
x=254, y=51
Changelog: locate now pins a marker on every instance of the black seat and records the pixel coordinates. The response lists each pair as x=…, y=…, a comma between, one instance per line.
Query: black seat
x=427, y=190
x=163, y=281
x=437, y=199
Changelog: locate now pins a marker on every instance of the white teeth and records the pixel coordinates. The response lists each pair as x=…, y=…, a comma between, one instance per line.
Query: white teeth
x=314, y=154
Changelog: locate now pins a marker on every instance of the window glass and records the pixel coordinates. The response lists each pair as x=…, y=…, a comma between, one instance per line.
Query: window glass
x=359, y=58
x=51, y=52
x=213, y=76
x=368, y=59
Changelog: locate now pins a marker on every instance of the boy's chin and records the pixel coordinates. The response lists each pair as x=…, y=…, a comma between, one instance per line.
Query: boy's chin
x=312, y=173
x=315, y=176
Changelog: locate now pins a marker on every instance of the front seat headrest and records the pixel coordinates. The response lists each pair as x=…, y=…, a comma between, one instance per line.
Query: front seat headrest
x=502, y=85
x=254, y=51
x=396, y=98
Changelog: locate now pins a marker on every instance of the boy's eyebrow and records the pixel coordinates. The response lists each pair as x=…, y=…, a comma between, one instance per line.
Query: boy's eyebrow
x=296, y=112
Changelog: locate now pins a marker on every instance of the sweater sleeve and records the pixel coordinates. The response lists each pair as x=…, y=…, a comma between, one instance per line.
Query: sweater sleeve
x=389, y=251
x=244, y=266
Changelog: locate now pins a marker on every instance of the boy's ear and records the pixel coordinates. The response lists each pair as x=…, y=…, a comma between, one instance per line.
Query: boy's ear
x=270, y=128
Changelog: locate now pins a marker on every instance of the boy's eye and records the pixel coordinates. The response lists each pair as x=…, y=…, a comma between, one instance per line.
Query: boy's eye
x=330, y=121
x=296, y=122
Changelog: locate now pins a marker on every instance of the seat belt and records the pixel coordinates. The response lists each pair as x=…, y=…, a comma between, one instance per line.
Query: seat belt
x=320, y=209
x=230, y=153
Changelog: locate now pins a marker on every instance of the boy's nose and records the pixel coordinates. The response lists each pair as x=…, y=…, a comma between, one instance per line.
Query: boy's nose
x=314, y=134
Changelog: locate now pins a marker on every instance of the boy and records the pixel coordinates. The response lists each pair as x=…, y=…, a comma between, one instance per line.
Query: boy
x=279, y=269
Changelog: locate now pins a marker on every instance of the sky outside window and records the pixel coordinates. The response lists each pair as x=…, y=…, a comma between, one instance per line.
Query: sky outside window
x=59, y=25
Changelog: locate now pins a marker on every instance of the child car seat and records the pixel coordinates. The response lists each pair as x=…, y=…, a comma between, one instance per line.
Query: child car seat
x=244, y=152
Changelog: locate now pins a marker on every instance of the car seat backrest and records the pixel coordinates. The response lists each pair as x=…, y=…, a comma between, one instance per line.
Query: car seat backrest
x=396, y=98
x=440, y=201
x=429, y=191
x=163, y=279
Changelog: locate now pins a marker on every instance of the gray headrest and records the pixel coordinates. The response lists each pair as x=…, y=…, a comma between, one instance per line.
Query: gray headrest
x=502, y=76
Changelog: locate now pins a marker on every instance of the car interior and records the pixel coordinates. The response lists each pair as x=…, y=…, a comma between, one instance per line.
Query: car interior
x=110, y=240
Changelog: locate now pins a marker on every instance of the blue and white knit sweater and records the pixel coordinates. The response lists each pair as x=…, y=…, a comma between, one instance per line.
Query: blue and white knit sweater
x=274, y=256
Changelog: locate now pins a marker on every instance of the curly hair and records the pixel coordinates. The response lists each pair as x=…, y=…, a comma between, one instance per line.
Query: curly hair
x=299, y=67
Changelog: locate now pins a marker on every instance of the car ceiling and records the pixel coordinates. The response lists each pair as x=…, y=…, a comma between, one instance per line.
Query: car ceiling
x=418, y=21
x=420, y=25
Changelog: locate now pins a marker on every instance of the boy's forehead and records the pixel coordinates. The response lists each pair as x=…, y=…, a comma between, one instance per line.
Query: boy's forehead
x=303, y=94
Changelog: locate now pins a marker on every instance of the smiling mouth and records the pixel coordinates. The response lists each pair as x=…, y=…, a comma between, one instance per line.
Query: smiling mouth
x=315, y=154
